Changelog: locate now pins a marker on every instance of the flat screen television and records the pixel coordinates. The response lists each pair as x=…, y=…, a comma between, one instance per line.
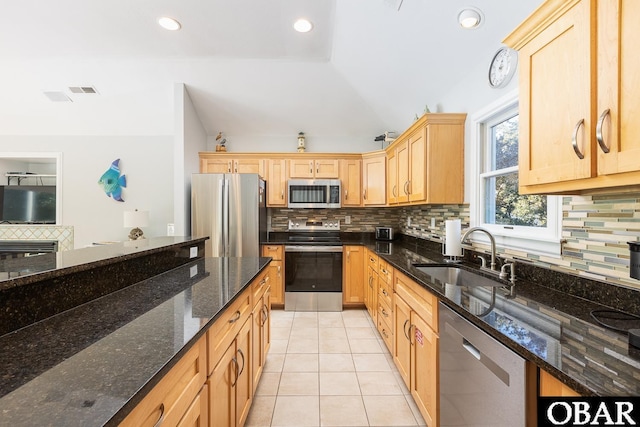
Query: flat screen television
x=28, y=204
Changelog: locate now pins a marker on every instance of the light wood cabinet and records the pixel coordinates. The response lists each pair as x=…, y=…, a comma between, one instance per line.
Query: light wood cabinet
x=374, y=179
x=426, y=162
x=580, y=54
x=552, y=387
x=223, y=163
x=371, y=285
x=351, y=179
x=276, y=182
x=276, y=273
x=353, y=276
x=392, y=177
x=261, y=330
x=198, y=413
x=176, y=393
x=230, y=383
x=415, y=349
x=385, y=303
x=309, y=168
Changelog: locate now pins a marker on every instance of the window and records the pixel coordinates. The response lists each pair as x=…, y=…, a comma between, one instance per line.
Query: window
x=527, y=222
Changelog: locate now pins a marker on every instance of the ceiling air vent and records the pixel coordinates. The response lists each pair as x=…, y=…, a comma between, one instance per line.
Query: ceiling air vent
x=82, y=89
x=57, y=96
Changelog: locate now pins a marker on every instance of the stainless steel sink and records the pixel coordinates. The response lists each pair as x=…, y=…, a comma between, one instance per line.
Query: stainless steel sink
x=456, y=276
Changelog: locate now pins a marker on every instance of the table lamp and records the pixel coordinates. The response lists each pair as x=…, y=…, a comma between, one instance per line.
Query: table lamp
x=136, y=219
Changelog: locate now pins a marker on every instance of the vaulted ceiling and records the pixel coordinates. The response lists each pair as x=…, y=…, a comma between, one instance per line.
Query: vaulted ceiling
x=367, y=66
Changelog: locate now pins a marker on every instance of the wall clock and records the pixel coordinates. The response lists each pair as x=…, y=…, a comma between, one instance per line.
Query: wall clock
x=503, y=67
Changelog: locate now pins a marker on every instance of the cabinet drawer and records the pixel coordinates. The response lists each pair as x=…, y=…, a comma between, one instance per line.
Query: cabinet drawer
x=419, y=299
x=198, y=413
x=171, y=398
x=224, y=330
x=385, y=293
x=384, y=313
x=259, y=285
x=273, y=251
x=385, y=332
x=372, y=260
x=385, y=271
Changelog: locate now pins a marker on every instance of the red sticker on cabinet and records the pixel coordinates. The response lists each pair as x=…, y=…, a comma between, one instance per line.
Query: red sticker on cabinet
x=419, y=337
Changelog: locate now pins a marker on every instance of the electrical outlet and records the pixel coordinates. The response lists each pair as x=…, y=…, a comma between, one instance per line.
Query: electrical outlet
x=171, y=230
x=193, y=271
x=193, y=252
x=409, y=221
x=433, y=223
x=347, y=219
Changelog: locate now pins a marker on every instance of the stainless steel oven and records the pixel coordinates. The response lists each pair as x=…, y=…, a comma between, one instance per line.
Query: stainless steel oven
x=313, y=268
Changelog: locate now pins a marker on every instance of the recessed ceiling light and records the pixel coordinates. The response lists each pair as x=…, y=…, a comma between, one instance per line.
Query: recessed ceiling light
x=303, y=25
x=169, y=23
x=470, y=17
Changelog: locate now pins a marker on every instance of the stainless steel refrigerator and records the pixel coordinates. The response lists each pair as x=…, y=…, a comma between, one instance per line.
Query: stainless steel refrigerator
x=231, y=210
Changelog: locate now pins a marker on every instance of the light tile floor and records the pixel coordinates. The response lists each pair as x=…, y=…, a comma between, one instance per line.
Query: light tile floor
x=330, y=369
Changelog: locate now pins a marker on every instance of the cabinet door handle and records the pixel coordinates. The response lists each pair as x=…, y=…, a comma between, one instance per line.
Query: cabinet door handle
x=384, y=292
x=410, y=333
x=384, y=312
x=235, y=380
x=346, y=194
x=282, y=194
x=574, y=139
x=311, y=167
x=241, y=369
x=348, y=255
x=279, y=270
x=229, y=166
x=370, y=281
x=364, y=194
x=265, y=312
x=599, y=136
x=161, y=419
x=384, y=332
x=393, y=191
x=404, y=329
x=406, y=185
x=235, y=165
x=235, y=318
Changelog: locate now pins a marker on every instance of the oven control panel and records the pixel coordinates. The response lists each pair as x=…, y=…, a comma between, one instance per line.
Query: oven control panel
x=311, y=225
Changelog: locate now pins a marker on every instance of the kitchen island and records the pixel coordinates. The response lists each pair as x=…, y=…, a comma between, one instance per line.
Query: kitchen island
x=93, y=364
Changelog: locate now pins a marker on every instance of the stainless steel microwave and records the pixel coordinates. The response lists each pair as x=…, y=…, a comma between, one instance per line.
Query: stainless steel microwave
x=314, y=193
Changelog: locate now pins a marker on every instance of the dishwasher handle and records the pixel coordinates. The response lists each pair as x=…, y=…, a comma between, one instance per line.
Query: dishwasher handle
x=471, y=348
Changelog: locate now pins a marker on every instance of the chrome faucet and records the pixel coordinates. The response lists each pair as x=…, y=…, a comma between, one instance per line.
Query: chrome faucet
x=493, y=245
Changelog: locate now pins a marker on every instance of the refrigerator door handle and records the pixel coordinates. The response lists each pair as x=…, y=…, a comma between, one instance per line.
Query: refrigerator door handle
x=225, y=217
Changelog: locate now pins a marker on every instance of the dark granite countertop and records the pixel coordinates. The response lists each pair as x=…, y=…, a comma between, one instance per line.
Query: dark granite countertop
x=92, y=364
x=25, y=270
x=551, y=328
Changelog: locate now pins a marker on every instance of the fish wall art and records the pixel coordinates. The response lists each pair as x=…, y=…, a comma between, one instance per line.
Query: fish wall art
x=112, y=182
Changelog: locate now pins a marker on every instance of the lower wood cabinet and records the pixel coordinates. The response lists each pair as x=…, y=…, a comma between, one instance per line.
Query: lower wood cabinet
x=353, y=276
x=415, y=345
x=230, y=383
x=276, y=273
x=176, y=395
x=261, y=331
x=550, y=386
x=198, y=413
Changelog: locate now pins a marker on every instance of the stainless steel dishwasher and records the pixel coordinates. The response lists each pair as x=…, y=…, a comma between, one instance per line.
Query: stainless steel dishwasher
x=482, y=382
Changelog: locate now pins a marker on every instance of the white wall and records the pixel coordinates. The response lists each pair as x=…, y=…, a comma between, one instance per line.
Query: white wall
x=190, y=138
x=289, y=143
x=145, y=160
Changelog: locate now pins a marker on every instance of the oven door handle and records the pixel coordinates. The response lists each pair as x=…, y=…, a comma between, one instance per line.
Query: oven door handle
x=313, y=248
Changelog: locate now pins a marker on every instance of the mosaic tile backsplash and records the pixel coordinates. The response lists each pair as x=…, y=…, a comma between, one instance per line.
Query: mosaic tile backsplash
x=595, y=231
x=63, y=234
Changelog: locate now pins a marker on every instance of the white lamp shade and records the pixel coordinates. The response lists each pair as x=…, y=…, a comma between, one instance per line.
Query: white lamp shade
x=136, y=219
x=469, y=18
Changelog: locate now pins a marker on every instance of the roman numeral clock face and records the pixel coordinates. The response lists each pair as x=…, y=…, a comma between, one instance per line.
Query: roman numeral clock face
x=503, y=67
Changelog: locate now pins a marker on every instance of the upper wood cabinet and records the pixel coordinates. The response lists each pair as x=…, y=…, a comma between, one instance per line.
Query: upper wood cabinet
x=374, y=178
x=276, y=182
x=426, y=162
x=578, y=96
x=351, y=178
x=227, y=163
x=310, y=168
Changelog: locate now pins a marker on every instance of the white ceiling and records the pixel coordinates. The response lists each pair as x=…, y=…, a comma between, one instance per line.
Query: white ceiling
x=365, y=68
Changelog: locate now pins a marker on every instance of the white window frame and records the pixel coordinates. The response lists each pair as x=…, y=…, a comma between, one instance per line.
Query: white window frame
x=530, y=240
